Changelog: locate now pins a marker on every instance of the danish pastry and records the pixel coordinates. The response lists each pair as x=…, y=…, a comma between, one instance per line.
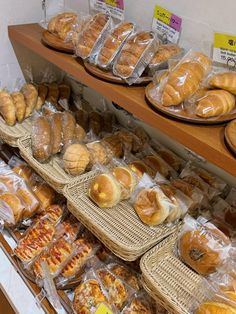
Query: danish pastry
x=105, y=191
x=7, y=108
x=215, y=103
x=76, y=159
x=20, y=105
x=28, y=199
x=150, y=206
x=126, y=275
x=137, y=306
x=226, y=81
x=54, y=213
x=126, y=179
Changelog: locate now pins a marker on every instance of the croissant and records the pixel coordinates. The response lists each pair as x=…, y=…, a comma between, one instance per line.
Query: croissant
x=20, y=105
x=30, y=93
x=7, y=108
x=185, y=80
x=215, y=103
x=225, y=81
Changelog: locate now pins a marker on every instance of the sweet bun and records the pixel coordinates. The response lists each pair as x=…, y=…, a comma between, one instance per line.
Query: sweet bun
x=150, y=206
x=215, y=308
x=76, y=159
x=14, y=204
x=201, y=249
x=139, y=168
x=127, y=180
x=105, y=191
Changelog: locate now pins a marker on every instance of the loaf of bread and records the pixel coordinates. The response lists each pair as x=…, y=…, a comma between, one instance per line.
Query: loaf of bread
x=13, y=206
x=113, y=43
x=131, y=53
x=185, y=79
x=105, y=191
x=157, y=165
x=7, y=108
x=42, y=95
x=41, y=139
x=62, y=24
x=30, y=93
x=56, y=132
x=225, y=80
x=164, y=53
x=76, y=159
x=68, y=128
x=20, y=105
x=215, y=103
x=90, y=34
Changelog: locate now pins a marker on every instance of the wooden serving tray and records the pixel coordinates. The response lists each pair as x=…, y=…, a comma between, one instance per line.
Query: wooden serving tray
x=57, y=43
x=110, y=77
x=184, y=115
x=230, y=135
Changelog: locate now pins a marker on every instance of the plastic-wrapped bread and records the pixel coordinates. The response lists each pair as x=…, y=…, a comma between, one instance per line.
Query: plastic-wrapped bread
x=53, y=94
x=68, y=128
x=56, y=132
x=113, y=43
x=62, y=24
x=224, y=80
x=20, y=105
x=91, y=34
x=42, y=95
x=7, y=108
x=76, y=159
x=13, y=205
x=30, y=93
x=134, y=50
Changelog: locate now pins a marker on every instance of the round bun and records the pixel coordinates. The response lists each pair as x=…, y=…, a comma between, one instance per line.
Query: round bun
x=76, y=159
x=127, y=180
x=13, y=203
x=139, y=168
x=98, y=154
x=215, y=308
x=150, y=207
x=105, y=191
x=201, y=249
x=157, y=165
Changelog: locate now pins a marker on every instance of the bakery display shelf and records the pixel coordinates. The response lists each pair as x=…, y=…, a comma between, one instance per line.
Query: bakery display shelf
x=118, y=228
x=11, y=134
x=207, y=141
x=167, y=279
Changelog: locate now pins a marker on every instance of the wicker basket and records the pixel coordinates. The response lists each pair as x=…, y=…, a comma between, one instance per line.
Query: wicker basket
x=11, y=134
x=119, y=228
x=51, y=172
x=169, y=280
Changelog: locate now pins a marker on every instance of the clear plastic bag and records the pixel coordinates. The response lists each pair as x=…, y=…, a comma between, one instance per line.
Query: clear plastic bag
x=141, y=302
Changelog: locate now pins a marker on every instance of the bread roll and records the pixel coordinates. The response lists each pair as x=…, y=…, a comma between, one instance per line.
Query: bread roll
x=7, y=108
x=226, y=81
x=41, y=139
x=215, y=103
x=105, y=191
x=68, y=128
x=215, y=308
x=98, y=154
x=76, y=159
x=20, y=105
x=56, y=132
x=185, y=79
x=30, y=93
x=113, y=42
x=126, y=179
x=45, y=194
x=139, y=168
x=42, y=95
x=150, y=205
x=164, y=53
x=14, y=205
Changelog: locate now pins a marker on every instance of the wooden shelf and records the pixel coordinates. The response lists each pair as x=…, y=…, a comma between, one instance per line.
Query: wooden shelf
x=207, y=141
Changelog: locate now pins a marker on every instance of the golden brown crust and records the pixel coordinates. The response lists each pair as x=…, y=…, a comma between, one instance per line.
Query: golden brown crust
x=24, y=171
x=126, y=275
x=30, y=93
x=164, y=53
x=215, y=308
x=139, y=168
x=80, y=133
x=137, y=307
x=95, y=122
x=7, y=108
x=226, y=81
x=98, y=154
x=157, y=165
x=20, y=105
x=14, y=203
x=29, y=200
x=42, y=95
x=126, y=179
x=68, y=128
x=56, y=132
x=114, y=145
x=76, y=159
x=53, y=94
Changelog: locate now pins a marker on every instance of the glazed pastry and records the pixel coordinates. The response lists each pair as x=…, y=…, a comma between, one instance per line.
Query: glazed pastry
x=152, y=206
x=114, y=145
x=226, y=81
x=35, y=240
x=80, y=134
x=105, y=191
x=88, y=295
x=41, y=139
x=42, y=95
x=164, y=53
x=90, y=34
x=201, y=249
x=76, y=159
x=117, y=291
x=131, y=53
x=185, y=79
x=157, y=165
x=215, y=308
x=53, y=94
x=126, y=275
x=13, y=203
x=30, y=93
x=7, y=108
x=54, y=213
x=139, y=168
x=20, y=105
x=71, y=228
x=56, y=132
x=28, y=199
x=98, y=154
x=76, y=263
x=55, y=257
x=95, y=122
x=126, y=179
x=62, y=24
x=68, y=128
x=44, y=193
x=113, y=43
x=215, y=103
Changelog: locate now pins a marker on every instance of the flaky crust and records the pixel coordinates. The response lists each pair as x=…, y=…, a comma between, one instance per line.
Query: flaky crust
x=226, y=81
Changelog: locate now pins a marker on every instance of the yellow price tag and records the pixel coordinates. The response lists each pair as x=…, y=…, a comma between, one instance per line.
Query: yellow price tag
x=112, y=3
x=225, y=41
x=103, y=309
x=162, y=14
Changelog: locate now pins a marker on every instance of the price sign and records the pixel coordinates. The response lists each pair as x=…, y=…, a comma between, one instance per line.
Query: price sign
x=166, y=24
x=224, y=49
x=98, y=5
x=115, y=8
x=103, y=309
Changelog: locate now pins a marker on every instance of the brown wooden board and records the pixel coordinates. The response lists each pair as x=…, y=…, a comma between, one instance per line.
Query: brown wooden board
x=230, y=135
x=184, y=115
x=110, y=77
x=57, y=43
